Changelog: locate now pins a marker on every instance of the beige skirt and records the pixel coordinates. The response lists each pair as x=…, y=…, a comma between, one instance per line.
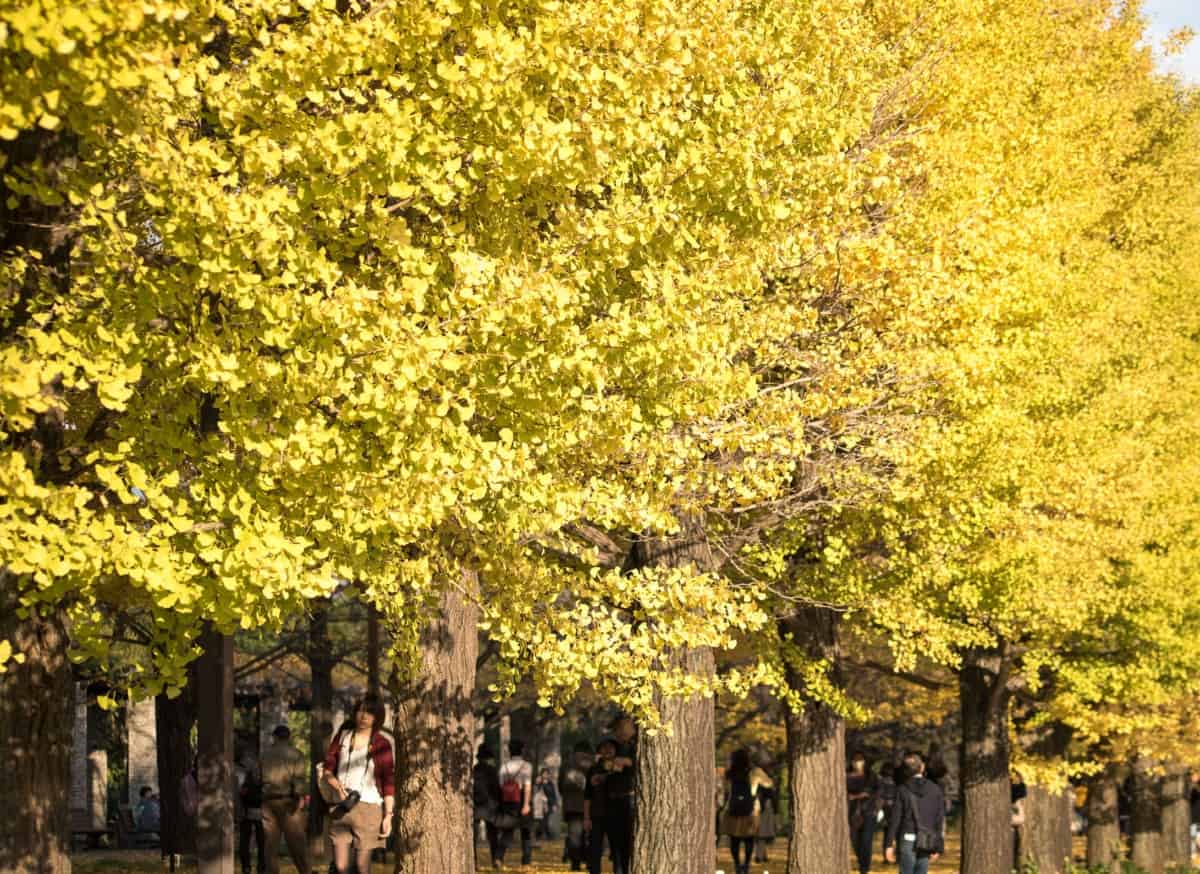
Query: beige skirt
x=740, y=826
x=359, y=826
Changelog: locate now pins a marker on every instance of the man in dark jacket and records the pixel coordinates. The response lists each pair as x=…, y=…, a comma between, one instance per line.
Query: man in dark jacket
x=915, y=830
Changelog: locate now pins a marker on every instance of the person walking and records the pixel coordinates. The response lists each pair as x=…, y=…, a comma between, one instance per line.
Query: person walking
x=516, y=803
x=619, y=788
x=595, y=798
x=545, y=787
x=887, y=797
x=541, y=810
x=250, y=815
x=862, y=791
x=360, y=767
x=1194, y=807
x=768, y=801
x=1017, y=794
x=485, y=793
x=572, y=784
x=742, y=807
x=915, y=831
x=284, y=787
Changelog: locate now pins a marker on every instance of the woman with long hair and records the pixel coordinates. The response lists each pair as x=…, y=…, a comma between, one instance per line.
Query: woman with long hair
x=742, y=808
x=360, y=768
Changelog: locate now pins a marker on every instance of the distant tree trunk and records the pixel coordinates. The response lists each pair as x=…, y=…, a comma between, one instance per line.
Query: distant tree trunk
x=435, y=736
x=214, y=753
x=1104, y=829
x=36, y=720
x=372, y=649
x=1147, y=821
x=1047, y=838
x=173, y=721
x=819, y=839
x=320, y=718
x=674, y=827
x=987, y=836
x=1176, y=818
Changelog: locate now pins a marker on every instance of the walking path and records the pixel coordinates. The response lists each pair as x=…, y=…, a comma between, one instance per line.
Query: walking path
x=546, y=859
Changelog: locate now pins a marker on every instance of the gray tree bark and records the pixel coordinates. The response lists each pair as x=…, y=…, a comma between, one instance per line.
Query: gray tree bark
x=1104, y=848
x=674, y=823
x=819, y=838
x=173, y=722
x=1047, y=835
x=1147, y=822
x=670, y=834
x=214, y=743
x=435, y=736
x=1176, y=817
x=320, y=719
x=36, y=719
x=987, y=837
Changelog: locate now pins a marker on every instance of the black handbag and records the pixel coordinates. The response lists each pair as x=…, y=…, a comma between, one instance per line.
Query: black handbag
x=345, y=805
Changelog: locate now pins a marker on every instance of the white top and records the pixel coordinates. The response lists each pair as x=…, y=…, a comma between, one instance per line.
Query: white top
x=517, y=769
x=356, y=770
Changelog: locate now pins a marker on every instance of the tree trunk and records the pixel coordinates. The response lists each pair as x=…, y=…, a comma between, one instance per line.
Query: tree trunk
x=676, y=782
x=987, y=835
x=173, y=721
x=435, y=736
x=36, y=696
x=819, y=839
x=1176, y=818
x=1104, y=829
x=1147, y=821
x=1047, y=835
x=674, y=827
x=320, y=719
x=36, y=720
x=214, y=754
x=372, y=649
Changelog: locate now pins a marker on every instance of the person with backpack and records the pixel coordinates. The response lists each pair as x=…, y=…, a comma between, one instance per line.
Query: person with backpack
x=915, y=830
x=516, y=803
x=742, y=807
x=572, y=784
x=485, y=794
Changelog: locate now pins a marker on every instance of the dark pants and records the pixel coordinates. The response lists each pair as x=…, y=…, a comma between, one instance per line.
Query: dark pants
x=493, y=836
x=740, y=847
x=252, y=828
x=575, y=847
x=862, y=839
x=506, y=837
x=595, y=846
x=618, y=828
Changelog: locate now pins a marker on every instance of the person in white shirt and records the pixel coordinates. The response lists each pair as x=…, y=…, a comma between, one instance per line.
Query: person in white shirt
x=360, y=768
x=516, y=798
